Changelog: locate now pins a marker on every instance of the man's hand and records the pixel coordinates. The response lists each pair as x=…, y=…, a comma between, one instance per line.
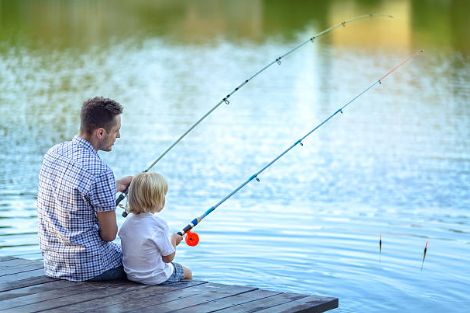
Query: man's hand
x=123, y=183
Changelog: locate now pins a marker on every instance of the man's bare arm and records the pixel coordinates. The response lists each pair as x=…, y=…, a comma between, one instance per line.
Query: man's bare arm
x=108, y=225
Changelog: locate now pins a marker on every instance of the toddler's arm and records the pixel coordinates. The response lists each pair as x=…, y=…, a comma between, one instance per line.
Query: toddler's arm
x=175, y=240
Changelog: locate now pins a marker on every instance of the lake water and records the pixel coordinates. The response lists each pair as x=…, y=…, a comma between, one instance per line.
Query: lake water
x=395, y=165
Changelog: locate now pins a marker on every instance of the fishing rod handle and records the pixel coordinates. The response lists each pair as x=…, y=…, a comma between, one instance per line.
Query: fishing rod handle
x=185, y=230
x=121, y=197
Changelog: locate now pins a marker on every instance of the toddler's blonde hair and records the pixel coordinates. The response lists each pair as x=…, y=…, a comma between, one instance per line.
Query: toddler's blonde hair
x=147, y=193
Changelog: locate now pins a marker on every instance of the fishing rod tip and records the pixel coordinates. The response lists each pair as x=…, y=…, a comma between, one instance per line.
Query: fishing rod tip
x=383, y=15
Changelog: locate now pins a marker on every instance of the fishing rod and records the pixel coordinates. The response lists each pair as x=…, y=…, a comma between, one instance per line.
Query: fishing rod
x=226, y=98
x=192, y=238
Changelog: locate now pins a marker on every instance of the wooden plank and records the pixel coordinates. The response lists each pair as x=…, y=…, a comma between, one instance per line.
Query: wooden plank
x=68, y=296
x=156, y=303
x=6, y=258
x=310, y=304
x=24, y=288
x=29, y=290
x=20, y=268
x=36, y=298
x=23, y=275
x=52, y=291
x=131, y=294
x=209, y=292
x=17, y=262
x=229, y=301
x=20, y=283
x=152, y=294
x=265, y=303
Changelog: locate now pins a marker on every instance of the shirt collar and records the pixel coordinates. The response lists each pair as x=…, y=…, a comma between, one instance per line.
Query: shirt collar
x=85, y=143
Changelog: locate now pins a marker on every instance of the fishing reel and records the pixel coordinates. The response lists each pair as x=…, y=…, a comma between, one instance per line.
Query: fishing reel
x=124, y=207
x=191, y=239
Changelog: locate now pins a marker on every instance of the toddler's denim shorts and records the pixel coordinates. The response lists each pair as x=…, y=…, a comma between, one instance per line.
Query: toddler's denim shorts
x=177, y=275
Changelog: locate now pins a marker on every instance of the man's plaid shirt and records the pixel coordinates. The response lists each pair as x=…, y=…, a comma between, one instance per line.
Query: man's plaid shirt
x=74, y=184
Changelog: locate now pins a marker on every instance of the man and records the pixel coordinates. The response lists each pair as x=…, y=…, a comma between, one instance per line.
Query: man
x=76, y=200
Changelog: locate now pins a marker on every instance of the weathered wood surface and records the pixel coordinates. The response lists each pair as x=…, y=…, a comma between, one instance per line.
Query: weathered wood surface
x=24, y=288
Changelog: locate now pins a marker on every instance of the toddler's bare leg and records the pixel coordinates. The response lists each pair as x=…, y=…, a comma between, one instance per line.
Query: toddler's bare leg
x=187, y=273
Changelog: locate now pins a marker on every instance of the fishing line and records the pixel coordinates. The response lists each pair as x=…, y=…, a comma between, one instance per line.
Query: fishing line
x=192, y=238
x=226, y=98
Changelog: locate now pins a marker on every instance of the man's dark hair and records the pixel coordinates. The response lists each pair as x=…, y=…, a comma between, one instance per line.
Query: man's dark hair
x=98, y=112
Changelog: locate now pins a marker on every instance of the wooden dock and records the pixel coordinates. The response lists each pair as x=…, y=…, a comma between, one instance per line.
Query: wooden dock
x=24, y=288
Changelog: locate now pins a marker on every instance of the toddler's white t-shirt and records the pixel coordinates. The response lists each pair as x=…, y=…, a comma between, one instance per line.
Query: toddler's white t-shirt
x=144, y=240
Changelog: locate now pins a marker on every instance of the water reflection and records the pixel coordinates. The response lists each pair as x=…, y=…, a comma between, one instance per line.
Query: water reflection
x=61, y=25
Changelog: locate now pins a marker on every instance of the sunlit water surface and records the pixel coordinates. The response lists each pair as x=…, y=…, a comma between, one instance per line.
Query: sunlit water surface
x=396, y=164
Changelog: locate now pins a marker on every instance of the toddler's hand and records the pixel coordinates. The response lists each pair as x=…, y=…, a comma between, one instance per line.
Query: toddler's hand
x=177, y=238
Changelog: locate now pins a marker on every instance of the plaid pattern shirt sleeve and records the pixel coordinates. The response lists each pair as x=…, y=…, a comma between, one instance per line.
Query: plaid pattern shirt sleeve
x=102, y=193
x=74, y=184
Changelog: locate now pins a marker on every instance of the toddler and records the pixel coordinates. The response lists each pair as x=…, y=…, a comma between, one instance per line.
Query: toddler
x=147, y=249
